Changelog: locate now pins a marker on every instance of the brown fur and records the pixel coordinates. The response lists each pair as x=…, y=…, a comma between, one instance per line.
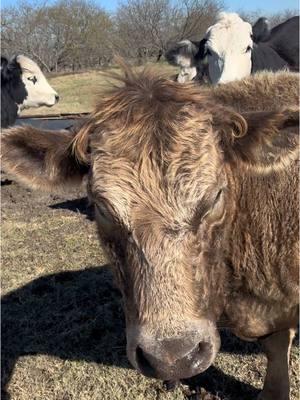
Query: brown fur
x=43, y=162
x=195, y=202
x=265, y=91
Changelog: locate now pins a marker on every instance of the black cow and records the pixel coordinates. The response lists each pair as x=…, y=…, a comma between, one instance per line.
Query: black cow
x=276, y=48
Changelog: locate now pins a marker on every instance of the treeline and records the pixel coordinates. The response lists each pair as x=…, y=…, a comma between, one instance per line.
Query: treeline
x=74, y=35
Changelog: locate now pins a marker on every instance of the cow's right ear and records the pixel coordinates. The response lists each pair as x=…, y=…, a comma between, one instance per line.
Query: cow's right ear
x=42, y=159
x=4, y=69
x=4, y=62
x=262, y=141
x=10, y=69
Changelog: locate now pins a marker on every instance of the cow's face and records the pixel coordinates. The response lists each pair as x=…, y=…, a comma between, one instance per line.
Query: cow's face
x=39, y=92
x=159, y=156
x=228, y=49
x=162, y=221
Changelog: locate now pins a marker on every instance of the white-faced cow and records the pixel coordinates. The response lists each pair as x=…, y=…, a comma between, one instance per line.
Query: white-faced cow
x=23, y=85
x=197, y=204
x=232, y=49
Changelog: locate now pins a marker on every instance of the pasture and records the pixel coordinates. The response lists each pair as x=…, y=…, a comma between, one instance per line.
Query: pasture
x=78, y=92
x=62, y=323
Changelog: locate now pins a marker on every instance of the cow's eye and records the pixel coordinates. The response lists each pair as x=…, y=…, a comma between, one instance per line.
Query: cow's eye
x=208, y=208
x=249, y=48
x=104, y=214
x=214, y=207
x=108, y=222
x=32, y=79
x=215, y=202
x=218, y=196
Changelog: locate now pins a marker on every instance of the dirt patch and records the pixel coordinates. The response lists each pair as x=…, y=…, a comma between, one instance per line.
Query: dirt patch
x=63, y=331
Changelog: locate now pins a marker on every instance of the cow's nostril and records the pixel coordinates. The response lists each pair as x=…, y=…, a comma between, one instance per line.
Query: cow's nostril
x=56, y=98
x=203, y=351
x=205, y=347
x=143, y=363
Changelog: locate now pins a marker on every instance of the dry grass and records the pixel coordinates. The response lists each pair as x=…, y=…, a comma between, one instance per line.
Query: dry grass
x=63, y=334
x=78, y=91
x=63, y=331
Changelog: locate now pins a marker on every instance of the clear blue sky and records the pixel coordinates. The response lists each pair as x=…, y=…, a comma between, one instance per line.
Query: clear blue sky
x=271, y=6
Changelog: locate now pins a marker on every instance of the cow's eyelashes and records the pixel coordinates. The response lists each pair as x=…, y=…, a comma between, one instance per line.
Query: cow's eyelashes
x=104, y=212
x=214, y=204
x=218, y=196
x=205, y=208
x=32, y=79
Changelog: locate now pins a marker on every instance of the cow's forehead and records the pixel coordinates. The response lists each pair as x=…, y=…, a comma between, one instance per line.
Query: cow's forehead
x=232, y=34
x=172, y=189
x=28, y=65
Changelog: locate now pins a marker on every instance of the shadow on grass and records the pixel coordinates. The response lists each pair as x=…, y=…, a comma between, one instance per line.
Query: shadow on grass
x=78, y=205
x=77, y=315
x=214, y=381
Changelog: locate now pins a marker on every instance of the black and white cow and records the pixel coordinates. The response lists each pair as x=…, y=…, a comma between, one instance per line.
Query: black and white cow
x=190, y=56
x=23, y=85
x=233, y=49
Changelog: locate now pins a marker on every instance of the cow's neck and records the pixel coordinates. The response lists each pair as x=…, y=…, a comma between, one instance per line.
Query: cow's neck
x=261, y=282
x=9, y=110
x=263, y=57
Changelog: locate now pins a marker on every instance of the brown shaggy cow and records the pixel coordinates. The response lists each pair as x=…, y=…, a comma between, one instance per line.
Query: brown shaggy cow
x=197, y=205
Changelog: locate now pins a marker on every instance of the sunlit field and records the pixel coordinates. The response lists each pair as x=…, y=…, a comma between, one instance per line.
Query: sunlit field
x=78, y=92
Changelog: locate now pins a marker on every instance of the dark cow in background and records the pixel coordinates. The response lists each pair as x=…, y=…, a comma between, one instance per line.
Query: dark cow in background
x=197, y=204
x=277, y=48
x=190, y=56
x=232, y=49
x=23, y=85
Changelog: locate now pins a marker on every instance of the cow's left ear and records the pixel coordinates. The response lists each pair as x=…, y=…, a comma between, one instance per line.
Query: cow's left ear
x=265, y=141
x=10, y=69
x=42, y=159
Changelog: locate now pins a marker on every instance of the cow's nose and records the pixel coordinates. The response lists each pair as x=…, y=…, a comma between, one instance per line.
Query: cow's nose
x=176, y=351
x=56, y=98
x=173, y=360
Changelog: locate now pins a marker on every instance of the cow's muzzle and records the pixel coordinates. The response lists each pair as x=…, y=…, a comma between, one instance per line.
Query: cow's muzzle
x=182, y=356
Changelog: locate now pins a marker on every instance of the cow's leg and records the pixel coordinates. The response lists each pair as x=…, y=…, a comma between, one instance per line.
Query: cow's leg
x=277, y=348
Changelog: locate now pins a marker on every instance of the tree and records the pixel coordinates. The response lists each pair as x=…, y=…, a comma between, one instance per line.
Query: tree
x=67, y=35
x=143, y=28
x=78, y=34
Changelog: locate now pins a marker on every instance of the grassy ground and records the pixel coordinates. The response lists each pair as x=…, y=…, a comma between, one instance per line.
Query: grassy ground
x=78, y=91
x=63, y=332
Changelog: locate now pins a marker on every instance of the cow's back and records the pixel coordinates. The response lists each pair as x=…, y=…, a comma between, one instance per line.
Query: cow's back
x=264, y=91
x=284, y=39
